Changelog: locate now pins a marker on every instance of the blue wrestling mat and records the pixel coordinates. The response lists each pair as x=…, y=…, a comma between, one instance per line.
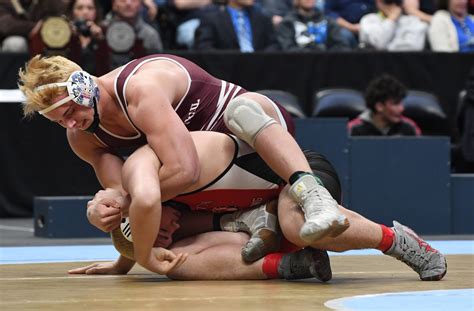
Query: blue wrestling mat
x=45, y=254
x=455, y=300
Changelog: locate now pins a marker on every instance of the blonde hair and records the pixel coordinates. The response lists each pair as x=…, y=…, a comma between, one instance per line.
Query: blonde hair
x=40, y=71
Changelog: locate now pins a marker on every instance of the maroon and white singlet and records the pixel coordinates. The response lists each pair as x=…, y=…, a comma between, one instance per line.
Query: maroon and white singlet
x=201, y=108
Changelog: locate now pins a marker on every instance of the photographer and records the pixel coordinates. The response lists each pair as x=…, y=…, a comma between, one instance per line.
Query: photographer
x=85, y=21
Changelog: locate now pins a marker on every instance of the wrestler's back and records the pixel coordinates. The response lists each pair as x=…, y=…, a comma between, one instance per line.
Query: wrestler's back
x=233, y=176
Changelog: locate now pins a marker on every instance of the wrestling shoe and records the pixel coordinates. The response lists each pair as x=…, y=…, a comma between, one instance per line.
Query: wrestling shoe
x=304, y=264
x=261, y=223
x=321, y=212
x=409, y=248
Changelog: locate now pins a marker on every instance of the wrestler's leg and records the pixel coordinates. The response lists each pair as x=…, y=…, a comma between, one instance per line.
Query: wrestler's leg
x=399, y=241
x=216, y=256
x=361, y=234
x=258, y=121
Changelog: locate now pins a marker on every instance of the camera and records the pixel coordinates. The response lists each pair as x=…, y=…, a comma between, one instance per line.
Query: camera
x=82, y=27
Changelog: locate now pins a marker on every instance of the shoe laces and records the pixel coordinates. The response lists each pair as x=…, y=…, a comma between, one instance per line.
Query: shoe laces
x=416, y=259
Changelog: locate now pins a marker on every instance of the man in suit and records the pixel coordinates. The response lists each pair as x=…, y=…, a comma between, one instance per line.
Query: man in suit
x=236, y=26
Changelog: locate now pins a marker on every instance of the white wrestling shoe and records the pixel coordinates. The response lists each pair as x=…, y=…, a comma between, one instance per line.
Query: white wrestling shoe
x=261, y=224
x=321, y=211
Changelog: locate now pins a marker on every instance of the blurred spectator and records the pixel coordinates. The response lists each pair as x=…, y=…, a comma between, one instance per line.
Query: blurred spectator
x=129, y=11
x=467, y=128
x=20, y=18
x=307, y=29
x=150, y=10
x=276, y=9
x=348, y=14
x=86, y=18
x=188, y=14
x=391, y=30
x=423, y=9
x=384, y=117
x=452, y=29
x=236, y=26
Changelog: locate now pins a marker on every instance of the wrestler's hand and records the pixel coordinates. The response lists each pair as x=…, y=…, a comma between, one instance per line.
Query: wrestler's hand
x=103, y=211
x=113, y=198
x=110, y=268
x=163, y=261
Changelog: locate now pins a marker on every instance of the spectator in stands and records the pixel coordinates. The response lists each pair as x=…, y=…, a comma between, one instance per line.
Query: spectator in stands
x=452, y=29
x=86, y=17
x=276, y=9
x=467, y=128
x=348, y=14
x=150, y=10
x=390, y=29
x=188, y=14
x=423, y=9
x=129, y=11
x=236, y=26
x=307, y=29
x=86, y=20
x=18, y=19
x=384, y=117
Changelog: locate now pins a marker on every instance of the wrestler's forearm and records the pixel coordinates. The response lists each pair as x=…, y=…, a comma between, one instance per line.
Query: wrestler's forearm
x=173, y=183
x=123, y=265
x=145, y=218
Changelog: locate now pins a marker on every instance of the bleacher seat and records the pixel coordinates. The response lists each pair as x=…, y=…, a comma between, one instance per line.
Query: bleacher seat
x=338, y=102
x=287, y=100
x=425, y=109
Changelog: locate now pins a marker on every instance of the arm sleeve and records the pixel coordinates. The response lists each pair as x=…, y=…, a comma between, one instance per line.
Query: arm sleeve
x=376, y=32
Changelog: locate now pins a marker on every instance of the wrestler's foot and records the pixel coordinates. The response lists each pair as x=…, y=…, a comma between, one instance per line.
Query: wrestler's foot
x=321, y=211
x=261, y=224
x=409, y=248
x=306, y=263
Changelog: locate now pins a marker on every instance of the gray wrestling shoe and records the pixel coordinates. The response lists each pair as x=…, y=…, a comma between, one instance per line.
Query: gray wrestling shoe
x=409, y=248
x=321, y=211
x=306, y=263
x=261, y=224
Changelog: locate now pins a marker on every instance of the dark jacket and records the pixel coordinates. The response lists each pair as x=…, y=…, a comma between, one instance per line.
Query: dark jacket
x=363, y=126
x=19, y=21
x=294, y=33
x=467, y=126
x=216, y=32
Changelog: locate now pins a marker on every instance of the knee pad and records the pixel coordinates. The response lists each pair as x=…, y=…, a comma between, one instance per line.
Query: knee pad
x=246, y=118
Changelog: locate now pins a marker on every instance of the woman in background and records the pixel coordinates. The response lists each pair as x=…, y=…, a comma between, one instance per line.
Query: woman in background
x=86, y=17
x=452, y=28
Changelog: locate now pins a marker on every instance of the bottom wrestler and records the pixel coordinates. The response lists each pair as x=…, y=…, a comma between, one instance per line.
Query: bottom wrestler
x=219, y=154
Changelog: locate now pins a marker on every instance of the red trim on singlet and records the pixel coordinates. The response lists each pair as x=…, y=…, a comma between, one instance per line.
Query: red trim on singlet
x=226, y=200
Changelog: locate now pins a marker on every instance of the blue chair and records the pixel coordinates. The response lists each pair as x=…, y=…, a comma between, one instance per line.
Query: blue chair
x=425, y=109
x=287, y=100
x=338, y=102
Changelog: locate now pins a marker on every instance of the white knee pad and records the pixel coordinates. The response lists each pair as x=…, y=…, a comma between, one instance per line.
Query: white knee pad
x=246, y=118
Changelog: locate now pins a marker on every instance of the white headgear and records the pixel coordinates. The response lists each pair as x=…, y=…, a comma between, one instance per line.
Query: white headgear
x=81, y=89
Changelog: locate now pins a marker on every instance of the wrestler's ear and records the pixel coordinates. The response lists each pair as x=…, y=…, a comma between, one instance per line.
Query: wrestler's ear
x=121, y=244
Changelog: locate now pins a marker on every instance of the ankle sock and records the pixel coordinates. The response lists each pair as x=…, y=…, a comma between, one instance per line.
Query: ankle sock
x=387, y=239
x=270, y=265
